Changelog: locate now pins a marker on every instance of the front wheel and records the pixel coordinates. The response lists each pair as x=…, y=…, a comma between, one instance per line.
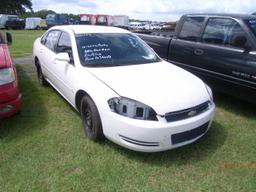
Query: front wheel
x=91, y=119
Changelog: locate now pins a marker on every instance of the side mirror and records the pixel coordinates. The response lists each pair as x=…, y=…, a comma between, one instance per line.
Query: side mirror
x=63, y=57
x=9, y=38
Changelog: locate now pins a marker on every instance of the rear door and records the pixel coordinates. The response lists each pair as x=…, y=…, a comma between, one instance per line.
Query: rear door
x=226, y=52
x=47, y=54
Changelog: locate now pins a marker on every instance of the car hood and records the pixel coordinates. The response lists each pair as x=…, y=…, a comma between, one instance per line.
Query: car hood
x=162, y=86
x=4, y=61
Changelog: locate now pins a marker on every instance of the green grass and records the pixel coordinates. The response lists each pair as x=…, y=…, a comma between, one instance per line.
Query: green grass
x=23, y=42
x=44, y=149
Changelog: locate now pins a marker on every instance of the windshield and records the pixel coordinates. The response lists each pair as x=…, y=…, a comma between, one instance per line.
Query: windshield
x=251, y=23
x=113, y=49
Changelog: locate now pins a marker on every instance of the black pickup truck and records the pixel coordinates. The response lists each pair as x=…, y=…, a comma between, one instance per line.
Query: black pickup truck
x=221, y=49
x=15, y=24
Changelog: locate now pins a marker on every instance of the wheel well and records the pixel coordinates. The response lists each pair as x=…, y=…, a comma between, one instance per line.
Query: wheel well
x=36, y=61
x=79, y=95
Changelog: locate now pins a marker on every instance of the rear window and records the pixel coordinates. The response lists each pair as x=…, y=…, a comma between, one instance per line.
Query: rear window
x=191, y=28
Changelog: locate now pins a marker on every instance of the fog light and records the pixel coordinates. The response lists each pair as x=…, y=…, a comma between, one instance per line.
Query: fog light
x=6, y=108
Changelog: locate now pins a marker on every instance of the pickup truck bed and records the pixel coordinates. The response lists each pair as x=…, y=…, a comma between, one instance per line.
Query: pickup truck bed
x=158, y=43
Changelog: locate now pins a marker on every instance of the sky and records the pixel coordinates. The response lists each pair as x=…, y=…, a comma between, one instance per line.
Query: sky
x=154, y=10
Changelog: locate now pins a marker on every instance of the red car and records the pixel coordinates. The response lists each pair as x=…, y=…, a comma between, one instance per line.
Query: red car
x=9, y=93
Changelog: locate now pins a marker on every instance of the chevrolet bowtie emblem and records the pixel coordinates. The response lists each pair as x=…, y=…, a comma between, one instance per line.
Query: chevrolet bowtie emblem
x=192, y=113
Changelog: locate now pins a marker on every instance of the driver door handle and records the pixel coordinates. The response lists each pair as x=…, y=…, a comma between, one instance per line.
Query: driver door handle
x=198, y=52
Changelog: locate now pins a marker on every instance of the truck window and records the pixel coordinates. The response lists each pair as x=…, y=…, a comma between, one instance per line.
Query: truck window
x=226, y=32
x=251, y=23
x=191, y=28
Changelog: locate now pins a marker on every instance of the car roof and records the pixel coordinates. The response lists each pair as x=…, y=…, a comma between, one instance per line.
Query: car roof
x=236, y=16
x=79, y=29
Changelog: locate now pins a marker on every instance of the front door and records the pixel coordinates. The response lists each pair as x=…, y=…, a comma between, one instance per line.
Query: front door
x=226, y=53
x=65, y=71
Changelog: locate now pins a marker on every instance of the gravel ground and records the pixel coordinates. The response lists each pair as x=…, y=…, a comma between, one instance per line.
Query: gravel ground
x=23, y=60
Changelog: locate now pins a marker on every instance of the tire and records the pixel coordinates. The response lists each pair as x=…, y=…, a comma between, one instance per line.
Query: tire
x=40, y=75
x=91, y=119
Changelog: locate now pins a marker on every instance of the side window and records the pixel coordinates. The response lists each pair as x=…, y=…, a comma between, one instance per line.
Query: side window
x=44, y=38
x=226, y=32
x=52, y=39
x=64, y=44
x=191, y=28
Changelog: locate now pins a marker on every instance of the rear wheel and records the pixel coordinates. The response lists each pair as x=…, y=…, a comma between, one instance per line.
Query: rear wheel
x=40, y=75
x=91, y=119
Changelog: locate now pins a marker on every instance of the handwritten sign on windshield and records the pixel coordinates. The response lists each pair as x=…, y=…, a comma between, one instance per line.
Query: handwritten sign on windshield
x=100, y=51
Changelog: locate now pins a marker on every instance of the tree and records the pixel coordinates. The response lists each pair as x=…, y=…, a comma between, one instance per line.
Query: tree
x=72, y=16
x=43, y=13
x=15, y=6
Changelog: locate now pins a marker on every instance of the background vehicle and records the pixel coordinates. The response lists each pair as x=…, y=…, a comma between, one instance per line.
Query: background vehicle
x=5, y=18
x=115, y=81
x=33, y=23
x=43, y=24
x=56, y=19
x=9, y=92
x=88, y=19
x=121, y=21
x=102, y=20
x=219, y=48
x=155, y=26
x=169, y=26
x=15, y=24
x=136, y=25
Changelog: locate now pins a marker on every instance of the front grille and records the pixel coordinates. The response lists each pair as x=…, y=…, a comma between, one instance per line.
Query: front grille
x=186, y=113
x=141, y=143
x=189, y=135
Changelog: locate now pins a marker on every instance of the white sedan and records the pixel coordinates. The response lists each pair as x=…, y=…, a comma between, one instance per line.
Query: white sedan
x=122, y=89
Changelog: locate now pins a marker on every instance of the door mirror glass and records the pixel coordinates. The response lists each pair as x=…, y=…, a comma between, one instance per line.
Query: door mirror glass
x=63, y=57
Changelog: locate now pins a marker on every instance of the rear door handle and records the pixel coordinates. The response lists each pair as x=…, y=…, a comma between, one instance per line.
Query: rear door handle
x=198, y=52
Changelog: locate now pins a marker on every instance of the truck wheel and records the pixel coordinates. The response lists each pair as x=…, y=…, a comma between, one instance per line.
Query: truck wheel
x=91, y=119
x=40, y=75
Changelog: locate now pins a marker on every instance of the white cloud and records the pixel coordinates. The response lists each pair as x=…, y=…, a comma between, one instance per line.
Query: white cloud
x=161, y=10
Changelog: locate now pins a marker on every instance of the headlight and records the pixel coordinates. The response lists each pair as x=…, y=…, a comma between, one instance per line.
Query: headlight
x=131, y=108
x=6, y=76
x=209, y=91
